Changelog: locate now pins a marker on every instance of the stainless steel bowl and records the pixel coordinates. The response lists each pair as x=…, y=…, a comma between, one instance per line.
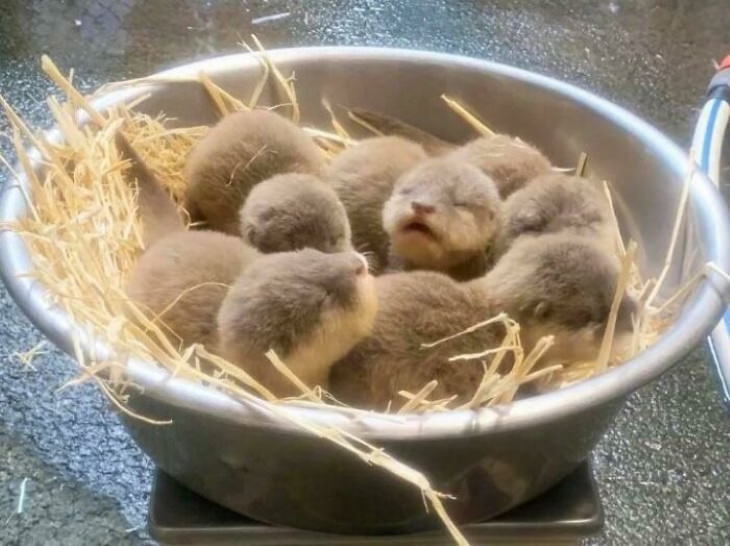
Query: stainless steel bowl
x=250, y=460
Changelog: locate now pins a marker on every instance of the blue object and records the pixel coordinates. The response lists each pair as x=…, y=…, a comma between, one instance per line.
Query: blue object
x=707, y=144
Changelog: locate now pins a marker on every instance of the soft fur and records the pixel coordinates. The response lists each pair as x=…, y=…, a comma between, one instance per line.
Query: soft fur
x=243, y=149
x=363, y=177
x=295, y=211
x=309, y=307
x=443, y=215
x=552, y=284
x=509, y=161
x=182, y=280
x=558, y=203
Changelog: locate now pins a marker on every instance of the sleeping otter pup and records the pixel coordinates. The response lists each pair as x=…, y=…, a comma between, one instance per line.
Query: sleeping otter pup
x=243, y=149
x=553, y=284
x=363, y=177
x=309, y=307
x=442, y=216
x=509, y=161
x=558, y=203
x=294, y=211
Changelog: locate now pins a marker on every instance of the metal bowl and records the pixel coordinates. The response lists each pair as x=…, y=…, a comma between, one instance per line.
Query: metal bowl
x=248, y=459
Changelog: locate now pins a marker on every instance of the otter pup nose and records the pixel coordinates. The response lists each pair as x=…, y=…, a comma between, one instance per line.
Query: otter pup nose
x=422, y=209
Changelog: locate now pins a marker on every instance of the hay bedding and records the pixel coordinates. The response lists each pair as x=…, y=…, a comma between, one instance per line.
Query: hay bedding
x=84, y=237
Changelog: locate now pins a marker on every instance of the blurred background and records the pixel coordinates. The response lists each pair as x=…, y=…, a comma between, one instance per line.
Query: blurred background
x=663, y=470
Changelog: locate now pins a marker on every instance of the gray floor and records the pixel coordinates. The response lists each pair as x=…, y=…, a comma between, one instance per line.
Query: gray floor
x=664, y=469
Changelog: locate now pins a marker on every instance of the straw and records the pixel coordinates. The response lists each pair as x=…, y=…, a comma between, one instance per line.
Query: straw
x=84, y=236
x=467, y=116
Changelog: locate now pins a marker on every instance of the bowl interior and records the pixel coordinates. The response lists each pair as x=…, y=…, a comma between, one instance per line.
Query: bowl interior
x=645, y=169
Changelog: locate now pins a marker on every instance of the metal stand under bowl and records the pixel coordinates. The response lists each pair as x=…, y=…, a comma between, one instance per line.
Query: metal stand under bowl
x=569, y=512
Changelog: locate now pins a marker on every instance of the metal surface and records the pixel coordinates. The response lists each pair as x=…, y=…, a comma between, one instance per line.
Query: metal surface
x=569, y=512
x=521, y=450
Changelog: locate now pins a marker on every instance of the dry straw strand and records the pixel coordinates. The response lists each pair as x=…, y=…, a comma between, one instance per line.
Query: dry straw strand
x=467, y=116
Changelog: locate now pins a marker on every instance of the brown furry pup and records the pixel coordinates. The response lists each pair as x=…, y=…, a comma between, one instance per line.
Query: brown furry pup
x=552, y=284
x=442, y=216
x=363, y=177
x=392, y=126
x=182, y=276
x=243, y=149
x=558, y=203
x=182, y=280
x=309, y=307
x=509, y=161
x=295, y=211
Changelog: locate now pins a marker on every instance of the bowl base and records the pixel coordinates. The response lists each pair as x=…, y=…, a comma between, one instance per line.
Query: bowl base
x=567, y=513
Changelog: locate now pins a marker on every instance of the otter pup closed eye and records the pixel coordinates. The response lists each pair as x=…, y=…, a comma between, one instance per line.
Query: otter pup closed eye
x=308, y=306
x=295, y=211
x=556, y=285
x=443, y=215
x=243, y=149
x=509, y=161
x=363, y=177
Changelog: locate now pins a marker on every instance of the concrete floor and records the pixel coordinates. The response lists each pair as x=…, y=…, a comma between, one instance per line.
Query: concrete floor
x=663, y=469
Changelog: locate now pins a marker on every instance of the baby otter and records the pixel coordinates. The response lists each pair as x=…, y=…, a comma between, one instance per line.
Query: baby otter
x=553, y=284
x=243, y=149
x=182, y=280
x=442, y=216
x=309, y=307
x=509, y=161
x=554, y=203
x=182, y=276
x=294, y=211
x=363, y=177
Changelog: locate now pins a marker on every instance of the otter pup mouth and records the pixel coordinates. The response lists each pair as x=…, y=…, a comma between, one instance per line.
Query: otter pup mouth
x=416, y=226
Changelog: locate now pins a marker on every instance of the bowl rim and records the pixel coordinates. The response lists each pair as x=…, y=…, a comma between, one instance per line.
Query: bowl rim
x=702, y=310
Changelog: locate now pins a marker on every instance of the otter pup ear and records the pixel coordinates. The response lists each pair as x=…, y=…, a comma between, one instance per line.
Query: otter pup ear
x=249, y=234
x=541, y=311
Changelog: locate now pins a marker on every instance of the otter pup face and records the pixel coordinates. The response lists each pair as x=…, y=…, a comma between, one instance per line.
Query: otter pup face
x=295, y=211
x=310, y=307
x=561, y=285
x=557, y=203
x=441, y=213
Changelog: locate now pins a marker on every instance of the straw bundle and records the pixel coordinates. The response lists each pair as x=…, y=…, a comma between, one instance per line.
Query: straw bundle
x=84, y=236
